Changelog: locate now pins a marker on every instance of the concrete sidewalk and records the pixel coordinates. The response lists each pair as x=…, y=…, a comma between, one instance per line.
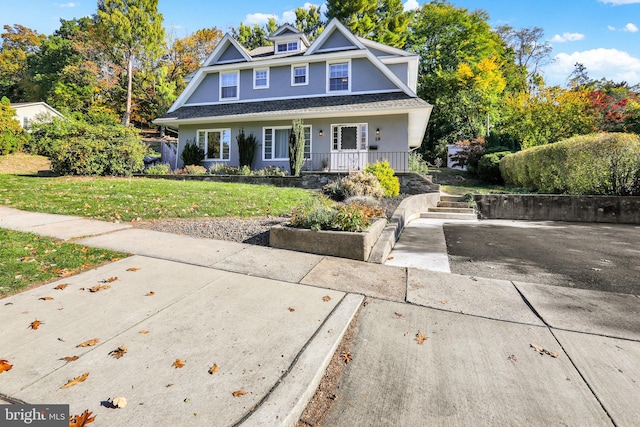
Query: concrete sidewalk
x=262, y=316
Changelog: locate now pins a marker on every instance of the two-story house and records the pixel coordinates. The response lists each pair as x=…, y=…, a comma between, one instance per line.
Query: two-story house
x=357, y=99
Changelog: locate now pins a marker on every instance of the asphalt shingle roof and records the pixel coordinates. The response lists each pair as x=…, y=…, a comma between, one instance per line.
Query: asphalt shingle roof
x=367, y=102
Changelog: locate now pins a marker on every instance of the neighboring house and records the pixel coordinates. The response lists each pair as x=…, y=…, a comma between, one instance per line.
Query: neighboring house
x=32, y=112
x=357, y=99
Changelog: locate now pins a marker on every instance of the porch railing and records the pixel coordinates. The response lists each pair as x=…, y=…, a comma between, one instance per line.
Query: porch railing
x=345, y=161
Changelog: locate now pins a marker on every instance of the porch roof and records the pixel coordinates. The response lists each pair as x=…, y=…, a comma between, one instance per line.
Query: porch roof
x=321, y=106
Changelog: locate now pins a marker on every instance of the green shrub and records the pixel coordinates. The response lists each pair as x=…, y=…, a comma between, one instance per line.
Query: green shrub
x=386, y=177
x=355, y=184
x=12, y=136
x=158, y=169
x=224, y=169
x=489, y=167
x=600, y=164
x=195, y=170
x=80, y=148
x=246, y=148
x=350, y=218
x=323, y=214
x=417, y=164
x=192, y=154
x=270, y=171
x=315, y=214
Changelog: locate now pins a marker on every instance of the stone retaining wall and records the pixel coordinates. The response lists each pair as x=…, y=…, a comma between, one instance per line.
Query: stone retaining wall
x=543, y=207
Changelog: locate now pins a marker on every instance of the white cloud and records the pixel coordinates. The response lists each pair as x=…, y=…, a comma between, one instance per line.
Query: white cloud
x=611, y=28
x=619, y=2
x=70, y=4
x=411, y=5
x=631, y=28
x=288, y=16
x=567, y=37
x=611, y=64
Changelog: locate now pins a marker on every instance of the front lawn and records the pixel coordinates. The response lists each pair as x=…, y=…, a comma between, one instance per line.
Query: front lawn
x=131, y=199
x=26, y=259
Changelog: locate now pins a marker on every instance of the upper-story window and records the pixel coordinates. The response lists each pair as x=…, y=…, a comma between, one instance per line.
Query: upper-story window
x=339, y=77
x=229, y=85
x=261, y=78
x=287, y=47
x=299, y=75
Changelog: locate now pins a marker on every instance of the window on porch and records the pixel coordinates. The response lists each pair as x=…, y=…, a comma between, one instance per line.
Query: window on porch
x=276, y=142
x=215, y=143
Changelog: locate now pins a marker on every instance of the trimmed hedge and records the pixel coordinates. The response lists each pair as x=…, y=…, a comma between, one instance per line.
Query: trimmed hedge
x=597, y=164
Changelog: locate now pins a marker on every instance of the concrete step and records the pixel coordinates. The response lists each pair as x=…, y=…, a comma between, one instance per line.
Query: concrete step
x=452, y=210
x=449, y=215
x=442, y=204
x=445, y=198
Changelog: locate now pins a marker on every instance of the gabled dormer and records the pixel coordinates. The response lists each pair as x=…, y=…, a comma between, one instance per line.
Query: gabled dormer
x=288, y=39
x=227, y=51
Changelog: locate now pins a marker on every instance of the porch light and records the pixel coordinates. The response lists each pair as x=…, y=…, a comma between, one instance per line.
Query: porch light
x=321, y=133
x=378, y=132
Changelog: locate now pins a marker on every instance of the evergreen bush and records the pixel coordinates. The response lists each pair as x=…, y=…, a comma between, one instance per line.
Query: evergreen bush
x=246, y=148
x=489, y=167
x=192, y=154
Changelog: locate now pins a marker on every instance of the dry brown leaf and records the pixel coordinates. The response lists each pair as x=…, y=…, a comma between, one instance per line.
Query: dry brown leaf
x=82, y=419
x=46, y=299
x=89, y=343
x=238, y=393
x=8, y=303
x=70, y=358
x=109, y=280
x=347, y=357
x=76, y=380
x=118, y=352
x=150, y=294
x=61, y=286
x=179, y=363
x=397, y=313
x=133, y=269
x=35, y=324
x=421, y=338
x=143, y=332
x=213, y=369
x=513, y=358
x=118, y=402
x=444, y=301
x=326, y=298
x=6, y=366
x=543, y=351
x=84, y=249
x=291, y=309
x=98, y=288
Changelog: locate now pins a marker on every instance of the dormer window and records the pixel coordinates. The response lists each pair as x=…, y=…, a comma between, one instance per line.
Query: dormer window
x=287, y=47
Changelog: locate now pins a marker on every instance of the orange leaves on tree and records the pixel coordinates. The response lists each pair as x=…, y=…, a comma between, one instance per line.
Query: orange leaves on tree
x=89, y=343
x=239, y=393
x=46, y=299
x=213, y=369
x=6, y=366
x=178, y=363
x=61, y=286
x=70, y=359
x=35, y=324
x=76, y=380
x=118, y=352
x=421, y=338
x=82, y=419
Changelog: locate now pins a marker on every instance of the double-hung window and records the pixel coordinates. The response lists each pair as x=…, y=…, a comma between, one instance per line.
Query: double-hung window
x=229, y=85
x=215, y=143
x=338, y=77
x=299, y=75
x=287, y=47
x=276, y=142
x=261, y=78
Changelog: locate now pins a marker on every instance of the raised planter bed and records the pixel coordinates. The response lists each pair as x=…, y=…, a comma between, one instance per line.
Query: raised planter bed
x=326, y=242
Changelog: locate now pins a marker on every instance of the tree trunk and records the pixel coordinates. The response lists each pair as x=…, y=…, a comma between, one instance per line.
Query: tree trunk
x=127, y=113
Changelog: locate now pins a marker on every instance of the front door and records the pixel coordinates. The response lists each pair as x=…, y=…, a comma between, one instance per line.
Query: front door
x=349, y=148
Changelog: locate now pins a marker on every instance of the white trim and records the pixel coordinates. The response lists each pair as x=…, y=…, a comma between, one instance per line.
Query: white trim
x=328, y=74
x=306, y=74
x=274, y=128
x=220, y=148
x=286, y=43
x=393, y=51
x=255, y=70
x=235, y=98
x=221, y=48
x=359, y=135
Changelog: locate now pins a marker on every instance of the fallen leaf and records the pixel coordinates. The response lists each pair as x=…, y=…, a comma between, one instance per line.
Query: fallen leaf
x=118, y=402
x=543, y=351
x=150, y=294
x=238, y=393
x=109, y=280
x=213, y=369
x=390, y=258
x=512, y=358
x=76, y=380
x=6, y=366
x=291, y=309
x=397, y=313
x=84, y=249
x=98, y=288
x=69, y=358
x=444, y=301
x=8, y=303
x=61, y=286
x=169, y=385
x=143, y=332
x=326, y=298
x=118, y=352
x=347, y=357
x=82, y=419
x=133, y=269
x=89, y=343
x=179, y=363
x=35, y=324
x=421, y=338
x=46, y=299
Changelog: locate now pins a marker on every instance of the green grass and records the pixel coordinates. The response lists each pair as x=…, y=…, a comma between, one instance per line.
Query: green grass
x=27, y=259
x=125, y=199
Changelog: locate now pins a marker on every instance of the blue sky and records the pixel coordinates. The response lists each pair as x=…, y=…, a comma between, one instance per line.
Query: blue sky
x=602, y=34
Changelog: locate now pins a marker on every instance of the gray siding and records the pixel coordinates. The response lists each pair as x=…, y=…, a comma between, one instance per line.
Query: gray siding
x=367, y=77
x=335, y=41
x=207, y=91
x=280, y=83
x=230, y=54
x=400, y=70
